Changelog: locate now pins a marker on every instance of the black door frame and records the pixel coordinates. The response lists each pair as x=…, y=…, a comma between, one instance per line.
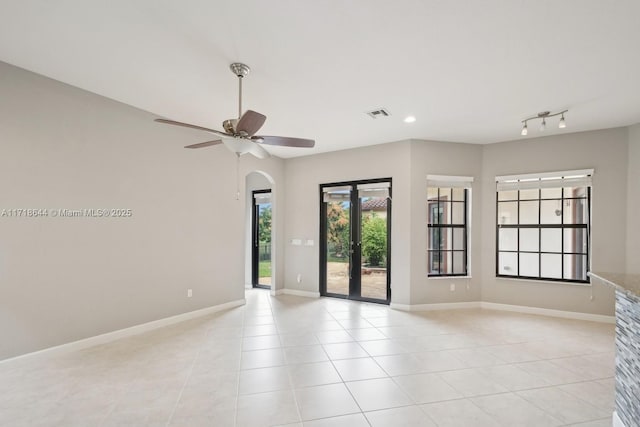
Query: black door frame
x=255, y=245
x=354, y=285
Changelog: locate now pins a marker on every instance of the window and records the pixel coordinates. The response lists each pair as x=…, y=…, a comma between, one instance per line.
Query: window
x=447, y=212
x=543, y=226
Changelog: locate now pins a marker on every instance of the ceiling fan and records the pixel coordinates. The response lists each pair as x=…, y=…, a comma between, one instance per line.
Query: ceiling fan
x=239, y=134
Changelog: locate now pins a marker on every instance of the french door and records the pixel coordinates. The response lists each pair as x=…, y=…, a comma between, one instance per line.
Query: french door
x=355, y=244
x=261, y=239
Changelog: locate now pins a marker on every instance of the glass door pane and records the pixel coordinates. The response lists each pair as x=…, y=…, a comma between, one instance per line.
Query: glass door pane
x=355, y=223
x=261, y=252
x=373, y=246
x=338, y=240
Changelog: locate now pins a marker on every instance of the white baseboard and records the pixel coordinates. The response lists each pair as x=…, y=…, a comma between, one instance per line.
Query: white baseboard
x=300, y=293
x=127, y=332
x=617, y=422
x=505, y=307
x=548, y=312
x=435, y=306
x=277, y=291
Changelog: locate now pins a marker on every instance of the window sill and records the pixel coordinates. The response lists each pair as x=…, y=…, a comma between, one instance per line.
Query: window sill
x=448, y=277
x=552, y=282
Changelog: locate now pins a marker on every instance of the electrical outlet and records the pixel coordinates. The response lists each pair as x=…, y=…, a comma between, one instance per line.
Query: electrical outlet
x=452, y=287
x=189, y=293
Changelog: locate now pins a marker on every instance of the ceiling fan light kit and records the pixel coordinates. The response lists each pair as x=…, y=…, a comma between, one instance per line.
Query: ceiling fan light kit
x=544, y=115
x=239, y=134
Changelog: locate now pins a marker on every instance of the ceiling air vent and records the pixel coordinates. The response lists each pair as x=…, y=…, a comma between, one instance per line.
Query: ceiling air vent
x=379, y=112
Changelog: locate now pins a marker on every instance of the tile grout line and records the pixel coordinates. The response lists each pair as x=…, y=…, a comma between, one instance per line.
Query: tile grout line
x=193, y=363
x=286, y=365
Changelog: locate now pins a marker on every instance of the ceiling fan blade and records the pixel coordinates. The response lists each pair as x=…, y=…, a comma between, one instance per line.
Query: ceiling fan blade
x=187, y=125
x=204, y=144
x=284, y=141
x=250, y=122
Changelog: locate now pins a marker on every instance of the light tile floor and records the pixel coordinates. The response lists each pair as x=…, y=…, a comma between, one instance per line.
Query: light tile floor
x=326, y=362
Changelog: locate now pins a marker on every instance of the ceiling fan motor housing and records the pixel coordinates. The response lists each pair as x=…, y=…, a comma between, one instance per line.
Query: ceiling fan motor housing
x=230, y=126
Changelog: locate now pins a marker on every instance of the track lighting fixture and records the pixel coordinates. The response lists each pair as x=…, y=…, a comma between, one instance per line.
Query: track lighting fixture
x=562, y=124
x=544, y=115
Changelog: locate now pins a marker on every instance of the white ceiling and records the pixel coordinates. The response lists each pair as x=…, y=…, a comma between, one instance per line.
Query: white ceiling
x=469, y=71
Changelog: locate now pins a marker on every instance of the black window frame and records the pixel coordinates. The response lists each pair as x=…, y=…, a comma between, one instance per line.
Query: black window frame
x=562, y=226
x=441, y=227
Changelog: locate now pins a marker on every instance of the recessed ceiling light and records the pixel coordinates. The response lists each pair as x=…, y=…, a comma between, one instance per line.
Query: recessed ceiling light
x=409, y=119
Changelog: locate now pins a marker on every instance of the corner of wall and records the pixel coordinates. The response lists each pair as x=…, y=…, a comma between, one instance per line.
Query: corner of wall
x=633, y=200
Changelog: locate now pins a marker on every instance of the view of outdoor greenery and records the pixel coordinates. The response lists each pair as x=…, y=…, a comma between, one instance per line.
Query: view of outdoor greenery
x=374, y=236
x=264, y=242
x=343, y=277
x=338, y=231
x=264, y=224
x=374, y=240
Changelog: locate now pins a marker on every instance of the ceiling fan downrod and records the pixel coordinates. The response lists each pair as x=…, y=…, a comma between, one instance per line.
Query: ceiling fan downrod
x=240, y=70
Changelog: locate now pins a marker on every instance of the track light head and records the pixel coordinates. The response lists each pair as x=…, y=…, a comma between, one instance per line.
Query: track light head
x=562, y=123
x=543, y=125
x=524, y=129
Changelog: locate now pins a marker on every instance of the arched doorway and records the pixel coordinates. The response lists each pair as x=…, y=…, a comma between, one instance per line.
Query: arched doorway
x=260, y=256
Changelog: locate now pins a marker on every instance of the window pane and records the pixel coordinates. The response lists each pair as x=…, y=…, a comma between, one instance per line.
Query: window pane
x=445, y=217
x=457, y=212
x=575, y=211
x=445, y=194
x=457, y=194
x=545, y=234
x=529, y=194
x=433, y=262
x=458, y=263
x=529, y=239
x=434, y=238
x=458, y=239
x=508, y=195
x=529, y=265
x=447, y=239
x=508, y=263
x=551, y=267
x=507, y=212
x=551, y=240
x=551, y=193
x=508, y=239
x=575, y=267
x=432, y=193
x=435, y=212
x=529, y=212
x=447, y=263
x=550, y=212
x=575, y=240
x=575, y=192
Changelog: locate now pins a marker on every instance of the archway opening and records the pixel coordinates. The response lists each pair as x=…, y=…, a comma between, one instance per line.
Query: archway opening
x=260, y=241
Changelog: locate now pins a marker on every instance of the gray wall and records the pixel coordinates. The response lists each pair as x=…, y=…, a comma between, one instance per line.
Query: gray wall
x=633, y=201
x=64, y=279
x=408, y=164
x=606, y=152
x=441, y=158
x=304, y=176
